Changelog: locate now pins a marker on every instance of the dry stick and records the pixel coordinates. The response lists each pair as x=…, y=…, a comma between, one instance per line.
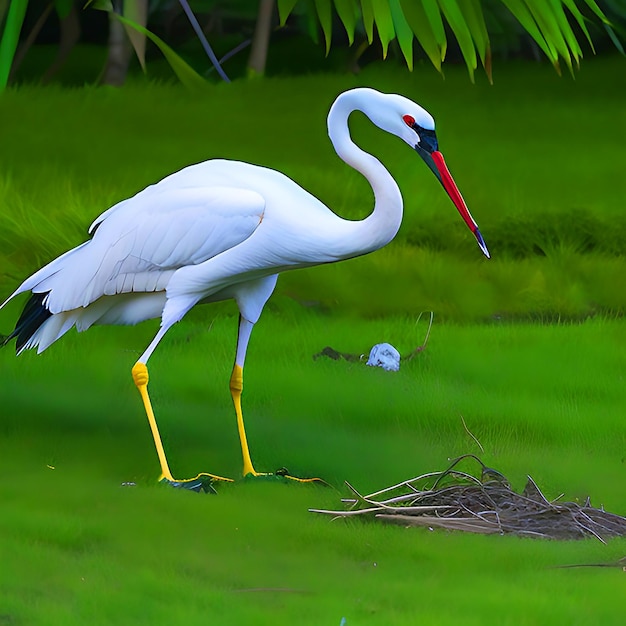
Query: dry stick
x=349, y=513
x=440, y=475
x=416, y=495
x=532, y=533
x=591, y=531
x=468, y=524
x=596, y=524
x=367, y=499
x=456, y=474
x=536, y=490
x=451, y=471
x=268, y=590
x=548, y=506
x=619, y=563
x=467, y=430
x=404, y=483
x=617, y=521
x=417, y=492
x=423, y=346
x=397, y=510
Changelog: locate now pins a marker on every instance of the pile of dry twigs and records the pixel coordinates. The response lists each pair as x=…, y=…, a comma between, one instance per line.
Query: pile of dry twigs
x=457, y=500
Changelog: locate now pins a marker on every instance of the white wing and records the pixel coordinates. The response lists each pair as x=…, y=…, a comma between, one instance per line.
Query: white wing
x=139, y=243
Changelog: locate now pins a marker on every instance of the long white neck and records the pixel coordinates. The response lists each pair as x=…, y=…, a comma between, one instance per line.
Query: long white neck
x=382, y=225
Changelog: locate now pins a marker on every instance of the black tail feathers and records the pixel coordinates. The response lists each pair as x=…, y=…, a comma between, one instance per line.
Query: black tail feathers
x=33, y=316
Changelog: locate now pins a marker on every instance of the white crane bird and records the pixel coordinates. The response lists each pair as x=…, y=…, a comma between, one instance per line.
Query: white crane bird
x=219, y=230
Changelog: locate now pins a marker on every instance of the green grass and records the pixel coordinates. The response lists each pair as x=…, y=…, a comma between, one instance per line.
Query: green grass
x=77, y=547
x=539, y=160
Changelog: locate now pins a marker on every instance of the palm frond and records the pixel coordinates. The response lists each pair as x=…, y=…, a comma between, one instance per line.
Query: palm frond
x=550, y=23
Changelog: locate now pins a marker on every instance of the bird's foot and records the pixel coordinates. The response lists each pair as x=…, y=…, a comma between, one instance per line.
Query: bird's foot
x=282, y=475
x=202, y=483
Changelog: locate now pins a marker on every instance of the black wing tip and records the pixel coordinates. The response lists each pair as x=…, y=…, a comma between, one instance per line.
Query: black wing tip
x=34, y=314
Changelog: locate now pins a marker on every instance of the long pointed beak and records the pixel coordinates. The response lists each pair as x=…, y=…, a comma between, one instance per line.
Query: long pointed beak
x=437, y=164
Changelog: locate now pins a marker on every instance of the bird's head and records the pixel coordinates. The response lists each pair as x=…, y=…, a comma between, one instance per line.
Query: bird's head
x=416, y=127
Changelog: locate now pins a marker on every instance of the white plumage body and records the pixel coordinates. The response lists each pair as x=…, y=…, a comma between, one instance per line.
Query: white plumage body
x=217, y=230
x=224, y=229
x=199, y=234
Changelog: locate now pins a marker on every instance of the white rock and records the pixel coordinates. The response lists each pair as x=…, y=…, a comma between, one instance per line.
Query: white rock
x=386, y=356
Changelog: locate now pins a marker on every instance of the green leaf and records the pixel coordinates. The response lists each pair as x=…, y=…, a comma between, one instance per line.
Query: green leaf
x=137, y=14
x=423, y=31
x=566, y=29
x=285, y=7
x=596, y=9
x=616, y=42
x=521, y=13
x=473, y=14
x=457, y=23
x=325, y=15
x=384, y=23
x=186, y=74
x=548, y=23
x=433, y=14
x=312, y=20
x=580, y=18
x=102, y=5
x=367, y=14
x=10, y=37
x=346, y=10
x=404, y=33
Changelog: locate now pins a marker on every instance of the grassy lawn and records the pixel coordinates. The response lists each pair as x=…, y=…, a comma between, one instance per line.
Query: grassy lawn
x=543, y=400
x=527, y=347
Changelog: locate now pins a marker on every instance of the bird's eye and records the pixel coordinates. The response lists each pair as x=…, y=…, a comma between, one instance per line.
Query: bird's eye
x=408, y=120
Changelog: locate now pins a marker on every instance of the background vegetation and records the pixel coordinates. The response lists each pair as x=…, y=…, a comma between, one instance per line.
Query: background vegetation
x=242, y=34
x=537, y=158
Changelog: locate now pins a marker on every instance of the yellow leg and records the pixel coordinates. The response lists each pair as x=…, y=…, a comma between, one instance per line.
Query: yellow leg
x=140, y=377
x=236, y=389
